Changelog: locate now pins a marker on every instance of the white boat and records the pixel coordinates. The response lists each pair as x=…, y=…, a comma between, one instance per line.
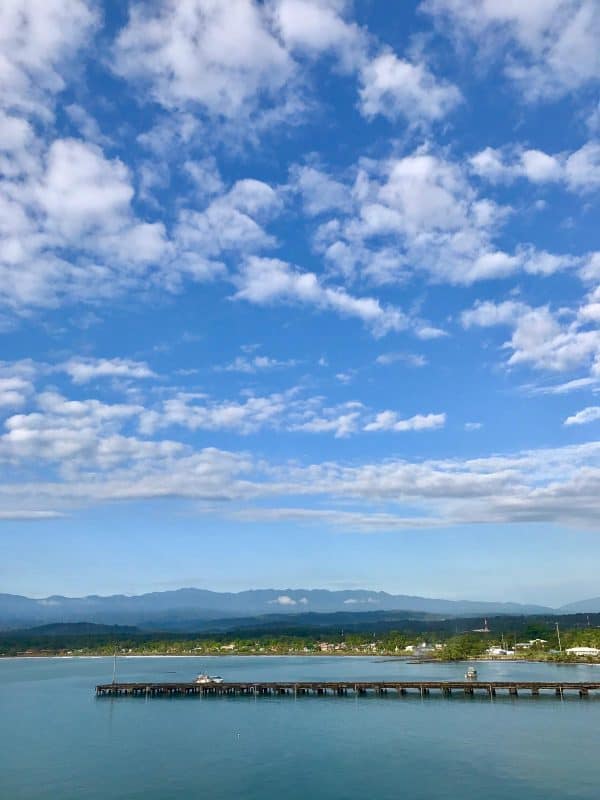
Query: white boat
x=204, y=678
x=471, y=674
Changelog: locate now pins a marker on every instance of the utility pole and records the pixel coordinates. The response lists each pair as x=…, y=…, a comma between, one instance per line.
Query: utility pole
x=558, y=635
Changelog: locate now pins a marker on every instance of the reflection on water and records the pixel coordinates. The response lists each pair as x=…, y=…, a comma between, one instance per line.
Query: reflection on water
x=60, y=742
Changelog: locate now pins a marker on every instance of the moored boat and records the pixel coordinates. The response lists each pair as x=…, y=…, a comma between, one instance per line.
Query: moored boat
x=471, y=674
x=204, y=678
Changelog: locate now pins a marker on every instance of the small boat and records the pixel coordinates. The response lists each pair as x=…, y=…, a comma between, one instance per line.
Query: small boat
x=471, y=674
x=204, y=678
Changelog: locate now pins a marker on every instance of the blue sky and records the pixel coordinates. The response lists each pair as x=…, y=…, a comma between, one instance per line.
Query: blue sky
x=300, y=293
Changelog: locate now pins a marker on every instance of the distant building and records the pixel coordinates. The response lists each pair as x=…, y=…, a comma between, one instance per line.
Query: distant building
x=583, y=651
x=531, y=643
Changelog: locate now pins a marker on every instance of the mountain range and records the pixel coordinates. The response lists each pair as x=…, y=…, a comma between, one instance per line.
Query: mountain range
x=183, y=608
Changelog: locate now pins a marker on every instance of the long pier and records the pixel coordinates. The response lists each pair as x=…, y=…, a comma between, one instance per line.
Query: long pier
x=328, y=688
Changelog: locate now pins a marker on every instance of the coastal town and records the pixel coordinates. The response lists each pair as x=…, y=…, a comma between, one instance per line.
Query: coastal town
x=570, y=646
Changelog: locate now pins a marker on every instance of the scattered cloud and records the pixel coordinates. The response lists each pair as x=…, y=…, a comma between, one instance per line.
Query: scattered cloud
x=84, y=370
x=166, y=48
x=284, y=600
x=542, y=338
x=412, y=359
x=13, y=516
x=422, y=213
x=389, y=421
x=267, y=281
x=14, y=391
x=548, y=48
x=394, y=87
x=256, y=364
x=585, y=416
x=578, y=171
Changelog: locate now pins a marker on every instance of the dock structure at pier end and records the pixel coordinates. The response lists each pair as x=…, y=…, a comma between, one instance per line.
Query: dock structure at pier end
x=341, y=688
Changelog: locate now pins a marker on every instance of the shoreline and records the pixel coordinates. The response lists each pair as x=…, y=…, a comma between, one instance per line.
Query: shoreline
x=383, y=657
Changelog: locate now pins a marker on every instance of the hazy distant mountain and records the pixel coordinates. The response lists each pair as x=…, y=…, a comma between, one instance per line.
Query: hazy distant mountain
x=591, y=606
x=181, y=605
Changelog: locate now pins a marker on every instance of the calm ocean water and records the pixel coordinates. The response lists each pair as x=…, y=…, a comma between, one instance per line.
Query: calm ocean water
x=58, y=741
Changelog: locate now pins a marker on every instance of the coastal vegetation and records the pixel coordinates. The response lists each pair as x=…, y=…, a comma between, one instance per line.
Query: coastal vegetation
x=532, y=642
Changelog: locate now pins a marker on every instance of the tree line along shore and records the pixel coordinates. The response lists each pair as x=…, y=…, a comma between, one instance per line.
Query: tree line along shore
x=533, y=643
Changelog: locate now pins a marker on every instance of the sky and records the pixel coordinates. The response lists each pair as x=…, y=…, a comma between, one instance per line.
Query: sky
x=300, y=293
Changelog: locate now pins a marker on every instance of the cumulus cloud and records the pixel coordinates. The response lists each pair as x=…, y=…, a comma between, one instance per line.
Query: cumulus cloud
x=200, y=412
x=389, y=421
x=393, y=87
x=231, y=46
x=421, y=212
x=83, y=370
x=578, y=171
x=231, y=222
x=549, y=48
x=266, y=281
x=332, y=421
x=320, y=192
x=585, y=416
x=314, y=27
x=559, y=486
x=14, y=391
x=78, y=202
x=38, y=41
x=85, y=452
x=284, y=600
x=69, y=231
x=541, y=338
x=70, y=432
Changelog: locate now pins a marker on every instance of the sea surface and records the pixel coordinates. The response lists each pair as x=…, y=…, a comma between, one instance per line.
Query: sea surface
x=58, y=741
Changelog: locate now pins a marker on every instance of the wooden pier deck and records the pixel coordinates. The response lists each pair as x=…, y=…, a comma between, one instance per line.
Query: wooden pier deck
x=328, y=688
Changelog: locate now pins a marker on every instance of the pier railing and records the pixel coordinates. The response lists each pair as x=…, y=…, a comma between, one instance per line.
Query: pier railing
x=324, y=688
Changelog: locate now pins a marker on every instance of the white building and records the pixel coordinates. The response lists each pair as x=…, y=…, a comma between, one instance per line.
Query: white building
x=583, y=651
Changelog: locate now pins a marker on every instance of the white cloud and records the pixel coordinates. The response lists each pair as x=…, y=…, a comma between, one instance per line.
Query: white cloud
x=394, y=87
x=95, y=464
x=540, y=337
x=412, y=359
x=564, y=388
x=255, y=364
x=14, y=391
x=314, y=27
x=320, y=192
x=206, y=176
x=340, y=424
x=37, y=42
x=549, y=47
x=284, y=600
x=421, y=212
x=199, y=412
x=265, y=281
x=78, y=432
x=585, y=416
x=389, y=421
x=68, y=230
x=86, y=124
x=579, y=170
x=231, y=222
x=83, y=370
x=168, y=47
x=473, y=426
x=11, y=516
